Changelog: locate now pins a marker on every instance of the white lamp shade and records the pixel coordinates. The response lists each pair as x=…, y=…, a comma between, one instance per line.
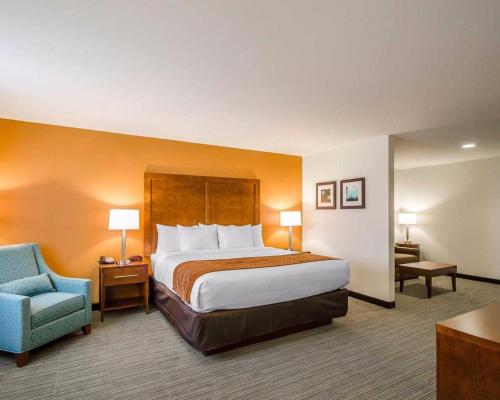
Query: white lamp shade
x=407, y=219
x=120, y=219
x=290, y=218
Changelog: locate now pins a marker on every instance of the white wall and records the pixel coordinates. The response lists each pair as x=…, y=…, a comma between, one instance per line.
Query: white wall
x=458, y=208
x=363, y=237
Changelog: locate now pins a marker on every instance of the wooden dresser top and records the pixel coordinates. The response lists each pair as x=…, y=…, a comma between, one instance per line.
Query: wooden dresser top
x=483, y=323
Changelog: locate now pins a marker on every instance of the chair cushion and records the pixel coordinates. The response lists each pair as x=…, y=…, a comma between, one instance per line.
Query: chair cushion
x=48, y=307
x=30, y=286
x=405, y=258
x=16, y=262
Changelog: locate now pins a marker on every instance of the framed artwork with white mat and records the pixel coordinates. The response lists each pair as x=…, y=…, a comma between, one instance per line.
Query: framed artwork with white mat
x=352, y=193
x=326, y=195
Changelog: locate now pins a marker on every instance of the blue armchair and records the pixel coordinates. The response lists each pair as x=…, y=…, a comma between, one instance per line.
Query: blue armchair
x=29, y=322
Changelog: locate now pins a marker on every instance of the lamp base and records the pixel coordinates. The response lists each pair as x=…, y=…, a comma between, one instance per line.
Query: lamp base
x=290, y=238
x=123, y=261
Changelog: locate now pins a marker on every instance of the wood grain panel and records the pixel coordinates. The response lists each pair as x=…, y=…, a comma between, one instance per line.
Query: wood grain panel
x=468, y=355
x=233, y=201
x=189, y=199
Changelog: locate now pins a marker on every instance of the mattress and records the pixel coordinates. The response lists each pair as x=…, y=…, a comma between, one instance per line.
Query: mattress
x=226, y=290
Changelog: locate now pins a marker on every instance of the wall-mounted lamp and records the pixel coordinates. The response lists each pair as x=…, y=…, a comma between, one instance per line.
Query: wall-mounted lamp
x=123, y=220
x=407, y=219
x=290, y=218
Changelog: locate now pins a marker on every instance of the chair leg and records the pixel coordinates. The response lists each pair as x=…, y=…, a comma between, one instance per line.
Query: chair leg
x=22, y=359
x=87, y=329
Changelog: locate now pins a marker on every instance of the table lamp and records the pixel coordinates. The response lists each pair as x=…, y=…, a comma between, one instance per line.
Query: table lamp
x=290, y=218
x=123, y=220
x=407, y=219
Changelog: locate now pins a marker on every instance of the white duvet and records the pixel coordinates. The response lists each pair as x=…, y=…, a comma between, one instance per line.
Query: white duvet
x=251, y=287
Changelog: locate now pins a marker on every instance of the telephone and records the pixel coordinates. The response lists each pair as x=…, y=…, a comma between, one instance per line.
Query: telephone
x=106, y=260
x=135, y=258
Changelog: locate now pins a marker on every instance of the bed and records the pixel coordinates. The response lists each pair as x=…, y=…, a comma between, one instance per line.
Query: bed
x=231, y=308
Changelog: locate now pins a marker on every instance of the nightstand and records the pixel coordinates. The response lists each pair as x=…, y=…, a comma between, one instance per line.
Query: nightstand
x=111, y=275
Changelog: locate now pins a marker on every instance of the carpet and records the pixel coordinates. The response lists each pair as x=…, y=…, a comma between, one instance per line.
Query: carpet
x=372, y=353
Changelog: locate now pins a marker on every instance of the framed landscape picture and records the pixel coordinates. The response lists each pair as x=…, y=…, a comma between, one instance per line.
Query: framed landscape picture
x=352, y=193
x=326, y=195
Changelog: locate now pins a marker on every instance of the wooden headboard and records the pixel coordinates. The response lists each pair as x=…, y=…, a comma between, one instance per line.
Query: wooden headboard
x=189, y=199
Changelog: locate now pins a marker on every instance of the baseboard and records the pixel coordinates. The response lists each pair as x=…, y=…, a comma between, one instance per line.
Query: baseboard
x=478, y=278
x=373, y=300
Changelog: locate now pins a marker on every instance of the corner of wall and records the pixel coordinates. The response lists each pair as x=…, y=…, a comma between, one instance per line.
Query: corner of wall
x=363, y=237
x=392, y=273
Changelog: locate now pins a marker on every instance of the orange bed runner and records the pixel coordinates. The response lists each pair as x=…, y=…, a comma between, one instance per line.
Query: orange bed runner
x=185, y=274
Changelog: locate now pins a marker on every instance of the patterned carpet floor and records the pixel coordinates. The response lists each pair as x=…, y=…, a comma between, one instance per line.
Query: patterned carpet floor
x=372, y=353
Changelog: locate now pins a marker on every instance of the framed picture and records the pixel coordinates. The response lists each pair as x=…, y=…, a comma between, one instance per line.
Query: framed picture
x=326, y=195
x=352, y=193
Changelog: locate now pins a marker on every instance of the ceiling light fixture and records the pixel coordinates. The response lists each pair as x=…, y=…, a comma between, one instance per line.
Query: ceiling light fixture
x=468, y=146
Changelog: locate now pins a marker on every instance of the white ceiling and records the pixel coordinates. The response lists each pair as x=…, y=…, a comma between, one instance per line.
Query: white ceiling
x=287, y=76
x=444, y=145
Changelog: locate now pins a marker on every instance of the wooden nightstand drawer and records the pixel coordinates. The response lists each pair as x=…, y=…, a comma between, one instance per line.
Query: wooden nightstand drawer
x=125, y=275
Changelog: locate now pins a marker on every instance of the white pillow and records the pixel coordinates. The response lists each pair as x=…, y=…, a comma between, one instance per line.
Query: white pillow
x=235, y=236
x=257, y=235
x=197, y=237
x=168, y=239
x=210, y=232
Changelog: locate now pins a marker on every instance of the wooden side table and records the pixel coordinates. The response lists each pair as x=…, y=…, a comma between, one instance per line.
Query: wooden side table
x=428, y=269
x=111, y=275
x=411, y=245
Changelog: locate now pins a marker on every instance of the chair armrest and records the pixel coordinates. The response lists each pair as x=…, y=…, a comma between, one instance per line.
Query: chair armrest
x=408, y=250
x=70, y=285
x=15, y=322
x=77, y=286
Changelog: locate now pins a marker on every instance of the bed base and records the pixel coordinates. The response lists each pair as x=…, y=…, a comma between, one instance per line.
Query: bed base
x=224, y=330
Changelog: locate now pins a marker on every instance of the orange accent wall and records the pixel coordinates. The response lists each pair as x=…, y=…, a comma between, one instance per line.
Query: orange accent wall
x=57, y=185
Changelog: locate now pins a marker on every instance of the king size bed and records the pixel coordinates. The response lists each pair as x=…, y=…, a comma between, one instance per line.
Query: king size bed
x=214, y=279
